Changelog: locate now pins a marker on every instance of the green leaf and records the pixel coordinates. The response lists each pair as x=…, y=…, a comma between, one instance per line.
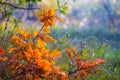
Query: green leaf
x=64, y=10
x=9, y=13
x=0, y=9
x=15, y=20
x=101, y=51
x=58, y=3
x=36, y=0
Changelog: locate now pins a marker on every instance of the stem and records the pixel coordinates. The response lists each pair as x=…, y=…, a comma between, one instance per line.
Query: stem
x=17, y=7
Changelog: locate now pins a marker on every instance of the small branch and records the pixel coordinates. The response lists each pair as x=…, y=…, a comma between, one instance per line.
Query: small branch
x=17, y=23
x=19, y=19
x=17, y=7
x=81, y=69
x=41, y=28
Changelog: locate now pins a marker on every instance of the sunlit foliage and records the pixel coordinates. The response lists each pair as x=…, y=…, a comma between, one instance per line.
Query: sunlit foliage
x=81, y=68
x=30, y=59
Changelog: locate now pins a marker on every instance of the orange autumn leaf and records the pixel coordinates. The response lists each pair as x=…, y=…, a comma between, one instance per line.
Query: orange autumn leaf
x=49, y=17
x=69, y=53
x=46, y=30
x=55, y=54
x=20, y=31
x=98, y=62
x=45, y=52
x=74, y=51
x=48, y=38
x=45, y=65
x=41, y=43
x=17, y=40
x=25, y=34
x=36, y=34
x=3, y=59
x=12, y=49
x=86, y=65
x=51, y=12
x=37, y=53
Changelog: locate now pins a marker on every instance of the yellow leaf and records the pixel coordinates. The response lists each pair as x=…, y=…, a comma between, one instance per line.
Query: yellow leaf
x=55, y=54
x=41, y=43
x=27, y=35
x=5, y=58
x=12, y=49
x=20, y=31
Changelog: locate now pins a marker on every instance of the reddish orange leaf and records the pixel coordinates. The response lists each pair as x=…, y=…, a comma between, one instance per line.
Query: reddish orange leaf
x=99, y=61
x=2, y=52
x=69, y=53
x=86, y=65
x=74, y=51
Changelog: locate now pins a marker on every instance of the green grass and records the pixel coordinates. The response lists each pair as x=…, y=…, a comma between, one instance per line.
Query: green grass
x=97, y=43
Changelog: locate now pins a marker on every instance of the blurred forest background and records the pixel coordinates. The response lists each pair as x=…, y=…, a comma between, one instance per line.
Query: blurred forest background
x=96, y=19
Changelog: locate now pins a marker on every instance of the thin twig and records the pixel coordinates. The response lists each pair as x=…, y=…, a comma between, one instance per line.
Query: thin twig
x=17, y=7
x=41, y=28
x=17, y=22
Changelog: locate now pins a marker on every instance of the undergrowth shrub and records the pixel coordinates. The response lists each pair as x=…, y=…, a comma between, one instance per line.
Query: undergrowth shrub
x=29, y=59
